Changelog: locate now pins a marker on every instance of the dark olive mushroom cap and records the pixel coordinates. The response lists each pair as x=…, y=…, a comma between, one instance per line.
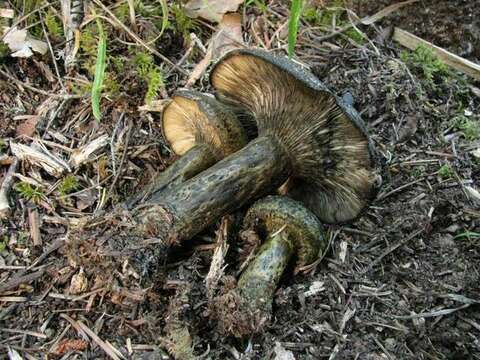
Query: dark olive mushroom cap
x=193, y=118
x=324, y=138
x=279, y=213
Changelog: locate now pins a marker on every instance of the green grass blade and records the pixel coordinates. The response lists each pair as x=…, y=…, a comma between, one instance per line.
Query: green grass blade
x=467, y=234
x=295, y=12
x=164, y=5
x=100, y=66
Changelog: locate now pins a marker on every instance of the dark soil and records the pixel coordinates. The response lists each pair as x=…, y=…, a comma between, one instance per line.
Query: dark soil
x=401, y=282
x=451, y=24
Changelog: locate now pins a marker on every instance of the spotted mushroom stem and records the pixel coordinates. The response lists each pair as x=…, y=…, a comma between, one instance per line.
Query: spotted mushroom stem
x=194, y=161
x=260, y=279
x=182, y=211
x=290, y=230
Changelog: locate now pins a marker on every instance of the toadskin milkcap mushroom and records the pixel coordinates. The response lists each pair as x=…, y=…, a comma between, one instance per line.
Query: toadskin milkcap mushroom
x=324, y=138
x=199, y=129
x=290, y=229
x=304, y=133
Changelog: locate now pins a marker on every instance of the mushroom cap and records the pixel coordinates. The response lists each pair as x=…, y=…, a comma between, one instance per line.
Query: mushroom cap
x=279, y=213
x=193, y=118
x=325, y=138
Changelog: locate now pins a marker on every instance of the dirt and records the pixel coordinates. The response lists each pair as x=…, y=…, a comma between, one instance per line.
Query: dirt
x=451, y=24
x=401, y=282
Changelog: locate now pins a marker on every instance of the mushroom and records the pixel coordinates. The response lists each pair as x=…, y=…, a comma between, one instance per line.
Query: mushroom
x=199, y=129
x=305, y=133
x=290, y=229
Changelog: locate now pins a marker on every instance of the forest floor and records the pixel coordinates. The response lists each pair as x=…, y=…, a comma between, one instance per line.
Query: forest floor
x=401, y=282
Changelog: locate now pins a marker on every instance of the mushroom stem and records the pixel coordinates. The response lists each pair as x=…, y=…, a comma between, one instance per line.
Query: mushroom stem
x=194, y=161
x=182, y=211
x=258, y=282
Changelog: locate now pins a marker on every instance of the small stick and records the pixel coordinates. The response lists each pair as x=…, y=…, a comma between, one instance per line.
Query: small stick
x=5, y=188
x=392, y=249
x=12, y=284
x=34, y=223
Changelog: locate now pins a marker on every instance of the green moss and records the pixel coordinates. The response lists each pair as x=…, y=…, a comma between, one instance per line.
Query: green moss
x=418, y=171
x=88, y=49
x=151, y=73
x=182, y=24
x=68, y=184
x=424, y=62
x=122, y=12
x=3, y=243
x=469, y=128
x=259, y=4
x=53, y=25
x=446, y=172
x=29, y=192
x=324, y=18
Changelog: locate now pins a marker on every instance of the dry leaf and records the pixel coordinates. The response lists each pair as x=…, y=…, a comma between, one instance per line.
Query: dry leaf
x=6, y=13
x=21, y=43
x=227, y=37
x=28, y=127
x=79, y=283
x=211, y=10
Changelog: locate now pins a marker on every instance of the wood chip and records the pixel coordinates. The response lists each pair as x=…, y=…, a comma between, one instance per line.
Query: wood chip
x=34, y=224
x=39, y=157
x=84, y=153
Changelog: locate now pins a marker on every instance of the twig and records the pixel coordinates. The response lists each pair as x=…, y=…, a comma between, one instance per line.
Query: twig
x=431, y=314
x=59, y=78
x=24, y=332
x=34, y=224
x=122, y=161
x=400, y=188
x=109, y=349
x=12, y=284
x=39, y=91
x=391, y=249
x=5, y=188
x=411, y=42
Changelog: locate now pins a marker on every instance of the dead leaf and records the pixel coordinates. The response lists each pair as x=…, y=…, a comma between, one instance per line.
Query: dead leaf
x=21, y=43
x=227, y=37
x=211, y=10
x=79, y=283
x=6, y=13
x=28, y=127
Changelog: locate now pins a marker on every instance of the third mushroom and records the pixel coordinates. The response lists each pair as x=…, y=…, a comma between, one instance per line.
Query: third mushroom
x=290, y=230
